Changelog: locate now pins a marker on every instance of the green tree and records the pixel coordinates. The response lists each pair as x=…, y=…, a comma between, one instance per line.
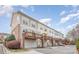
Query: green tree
x=10, y=38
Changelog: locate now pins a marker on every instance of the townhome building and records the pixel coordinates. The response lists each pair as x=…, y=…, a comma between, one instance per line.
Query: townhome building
x=31, y=33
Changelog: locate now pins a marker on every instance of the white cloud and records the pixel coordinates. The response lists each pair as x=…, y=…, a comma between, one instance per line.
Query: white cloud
x=74, y=12
x=46, y=21
x=68, y=17
x=32, y=8
x=5, y=10
x=71, y=26
x=25, y=6
x=28, y=6
x=62, y=13
x=22, y=10
x=66, y=29
x=64, y=19
x=74, y=8
x=62, y=30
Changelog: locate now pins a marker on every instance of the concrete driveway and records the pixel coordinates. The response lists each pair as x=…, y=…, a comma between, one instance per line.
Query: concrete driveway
x=69, y=49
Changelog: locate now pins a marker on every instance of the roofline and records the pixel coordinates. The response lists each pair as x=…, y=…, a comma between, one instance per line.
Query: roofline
x=36, y=21
x=5, y=33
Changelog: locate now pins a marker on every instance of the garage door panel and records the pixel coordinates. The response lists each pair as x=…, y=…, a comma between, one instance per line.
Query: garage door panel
x=30, y=44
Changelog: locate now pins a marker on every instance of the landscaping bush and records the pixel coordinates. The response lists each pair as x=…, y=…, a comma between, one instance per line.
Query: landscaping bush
x=77, y=43
x=10, y=38
x=13, y=44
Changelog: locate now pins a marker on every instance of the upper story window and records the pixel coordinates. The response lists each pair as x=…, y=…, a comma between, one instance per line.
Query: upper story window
x=50, y=31
x=24, y=22
x=18, y=18
x=56, y=33
x=33, y=25
x=45, y=30
x=41, y=28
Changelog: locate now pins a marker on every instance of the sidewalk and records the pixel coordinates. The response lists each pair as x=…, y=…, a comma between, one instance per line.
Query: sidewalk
x=26, y=52
x=4, y=50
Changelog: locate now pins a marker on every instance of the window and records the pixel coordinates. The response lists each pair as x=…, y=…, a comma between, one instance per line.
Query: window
x=33, y=25
x=45, y=30
x=41, y=28
x=18, y=18
x=24, y=22
x=50, y=31
x=56, y=33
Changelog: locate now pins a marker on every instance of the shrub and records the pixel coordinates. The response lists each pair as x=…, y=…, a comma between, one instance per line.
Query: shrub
x=77, y=43
x=14, y=44
x=10, y=38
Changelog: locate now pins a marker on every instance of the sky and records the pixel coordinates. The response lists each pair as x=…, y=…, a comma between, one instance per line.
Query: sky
x=59, y=17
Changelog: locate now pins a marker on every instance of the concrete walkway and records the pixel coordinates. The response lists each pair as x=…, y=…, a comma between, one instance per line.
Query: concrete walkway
x=31, y=51
x=3, y=49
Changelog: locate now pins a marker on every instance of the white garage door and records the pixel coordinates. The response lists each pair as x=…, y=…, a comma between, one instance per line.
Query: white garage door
x=30, y=44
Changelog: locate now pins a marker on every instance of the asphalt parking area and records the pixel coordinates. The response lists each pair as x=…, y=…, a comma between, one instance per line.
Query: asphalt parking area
x=70, y=49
